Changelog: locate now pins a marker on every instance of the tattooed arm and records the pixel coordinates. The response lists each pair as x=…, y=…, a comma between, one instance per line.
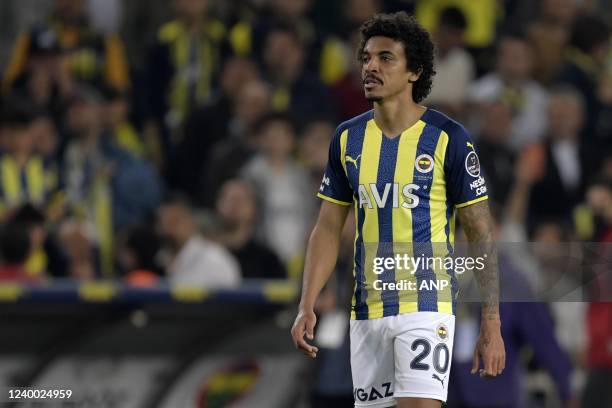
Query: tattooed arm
x=478, y=226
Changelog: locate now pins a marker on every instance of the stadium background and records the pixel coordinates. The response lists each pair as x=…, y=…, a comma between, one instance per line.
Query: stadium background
x=159, y=161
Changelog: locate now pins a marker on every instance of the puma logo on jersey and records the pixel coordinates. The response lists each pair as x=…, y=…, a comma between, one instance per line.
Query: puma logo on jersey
x=349, y=159
x=435, y=377
x=469, y=145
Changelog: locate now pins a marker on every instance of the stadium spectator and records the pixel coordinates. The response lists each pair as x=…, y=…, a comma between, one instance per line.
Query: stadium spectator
x=523, y=324
x=347, y=91
x=248, y=37
x=104, y=183
x=549, y=35
x=46, y=80
x=482, y=17
x=355, y=12
x=454, y=66
x=26, y=176
x=585, y=63
x=313, y=149
x=48, y=145
x=599, y=144
x=140, y=22
x=294, y=88
x=561, y=275
x=33, y=220
x=237, y=210
x=599, y=201
x=544, y=261
x=238, y=148
x=90, y=55
x=116, y=113
x=525, y=320
x=512, y=83
x=337, y=55
x=15, y=248
x=81, y=246
x=193, y=260
x=563, y=157
x=496, y=158
x=597, y=390
x=224, y=124
x=336, y=58
x=183, y=65
x=137, y=254
x=313, y=152
x=46, y=137
x=282, y=186
x=528, y=170
x=223, y=118
x=16, y=16
x=46, y=258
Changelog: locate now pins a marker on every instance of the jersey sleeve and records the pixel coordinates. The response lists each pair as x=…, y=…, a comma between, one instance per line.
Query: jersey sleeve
x=335, y=186
x=465, y=181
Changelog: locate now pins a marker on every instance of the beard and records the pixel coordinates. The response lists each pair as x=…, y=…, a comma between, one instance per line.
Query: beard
x=374, y=98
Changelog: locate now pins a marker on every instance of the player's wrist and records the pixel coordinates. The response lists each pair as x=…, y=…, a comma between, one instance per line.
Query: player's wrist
x=489, y=311
x=306, y=307
x=490, y=323
x=490, y=315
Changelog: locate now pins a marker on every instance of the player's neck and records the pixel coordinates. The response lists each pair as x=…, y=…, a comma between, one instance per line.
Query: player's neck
x=395, y=116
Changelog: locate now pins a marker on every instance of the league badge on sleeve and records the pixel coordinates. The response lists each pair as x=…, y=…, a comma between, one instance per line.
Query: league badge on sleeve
x=472, y=164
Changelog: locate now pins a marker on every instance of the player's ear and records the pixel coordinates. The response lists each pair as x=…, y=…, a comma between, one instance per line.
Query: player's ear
x=414, y=76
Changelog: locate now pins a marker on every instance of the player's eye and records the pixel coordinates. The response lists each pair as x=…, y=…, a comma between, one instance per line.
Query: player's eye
x=386, y=58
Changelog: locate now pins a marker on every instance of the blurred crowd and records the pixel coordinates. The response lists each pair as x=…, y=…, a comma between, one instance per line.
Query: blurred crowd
x=186, y=139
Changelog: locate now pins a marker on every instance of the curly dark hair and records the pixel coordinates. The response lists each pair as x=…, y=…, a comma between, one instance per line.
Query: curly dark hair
x=418, y=47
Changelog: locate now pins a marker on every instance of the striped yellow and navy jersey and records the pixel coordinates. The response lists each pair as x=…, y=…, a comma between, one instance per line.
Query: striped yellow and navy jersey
x=405, y=190
x=37, y=182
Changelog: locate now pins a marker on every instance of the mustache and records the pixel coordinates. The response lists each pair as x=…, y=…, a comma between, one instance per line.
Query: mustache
x=373, y=78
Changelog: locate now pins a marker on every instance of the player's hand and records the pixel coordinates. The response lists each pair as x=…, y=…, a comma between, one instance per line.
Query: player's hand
x=304, y=325
x=490, y=348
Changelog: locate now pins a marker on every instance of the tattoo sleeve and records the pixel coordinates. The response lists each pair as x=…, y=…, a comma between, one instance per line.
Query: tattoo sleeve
x=478, y=226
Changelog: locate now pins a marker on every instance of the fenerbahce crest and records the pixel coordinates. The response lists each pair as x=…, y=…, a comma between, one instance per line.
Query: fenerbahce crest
x=442, y=332
x=228, y=384
x=424, y=163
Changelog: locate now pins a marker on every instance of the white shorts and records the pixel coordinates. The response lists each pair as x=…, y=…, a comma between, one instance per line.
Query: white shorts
x=407, y=355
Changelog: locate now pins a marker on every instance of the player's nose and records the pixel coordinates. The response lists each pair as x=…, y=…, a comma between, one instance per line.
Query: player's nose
x=371, y=66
